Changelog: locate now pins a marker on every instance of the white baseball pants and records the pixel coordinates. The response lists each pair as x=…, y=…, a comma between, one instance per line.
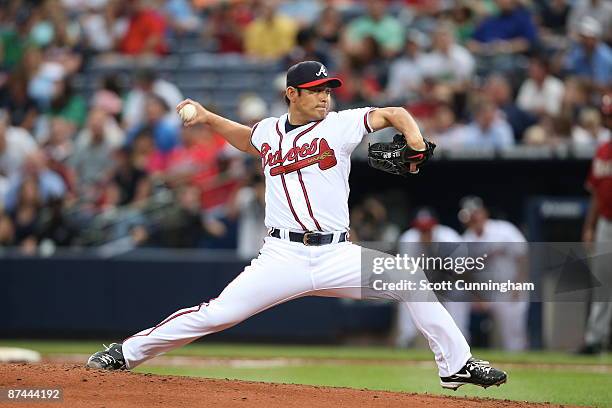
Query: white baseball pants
x=283, y=271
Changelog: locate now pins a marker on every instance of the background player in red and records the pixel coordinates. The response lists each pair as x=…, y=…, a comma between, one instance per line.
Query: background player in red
x=598, y=230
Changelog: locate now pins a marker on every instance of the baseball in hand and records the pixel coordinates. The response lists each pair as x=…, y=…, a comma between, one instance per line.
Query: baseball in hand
x=188, y=112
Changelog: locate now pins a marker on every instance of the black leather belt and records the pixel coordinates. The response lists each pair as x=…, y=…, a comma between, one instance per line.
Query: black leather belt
x=310, y=238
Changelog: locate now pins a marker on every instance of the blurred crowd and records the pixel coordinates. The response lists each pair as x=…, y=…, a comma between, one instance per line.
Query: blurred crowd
x=117, y=166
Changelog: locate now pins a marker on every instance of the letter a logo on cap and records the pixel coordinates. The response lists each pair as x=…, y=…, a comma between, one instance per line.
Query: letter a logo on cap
x=322, y=71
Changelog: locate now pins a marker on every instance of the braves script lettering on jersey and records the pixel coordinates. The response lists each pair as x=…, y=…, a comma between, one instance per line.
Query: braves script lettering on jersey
x=306, y=172
x=307, y=169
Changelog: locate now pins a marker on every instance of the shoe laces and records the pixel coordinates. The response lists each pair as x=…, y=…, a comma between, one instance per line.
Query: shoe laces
x=480, y=366
x=107, y=358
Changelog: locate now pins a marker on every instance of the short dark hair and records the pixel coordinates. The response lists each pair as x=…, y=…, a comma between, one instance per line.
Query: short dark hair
x=287, y=101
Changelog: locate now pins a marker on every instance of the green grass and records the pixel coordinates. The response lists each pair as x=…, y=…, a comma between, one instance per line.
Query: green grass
x=323, y=352
x=523, y=385
x=570, y=385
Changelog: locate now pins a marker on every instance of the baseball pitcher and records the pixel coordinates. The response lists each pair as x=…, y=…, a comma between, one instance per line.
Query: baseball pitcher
x=305, y=156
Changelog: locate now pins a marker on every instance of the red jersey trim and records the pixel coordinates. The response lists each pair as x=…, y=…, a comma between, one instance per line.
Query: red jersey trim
x=285, y=184
x=251, y=137
x=366, y=122
x=304, y=190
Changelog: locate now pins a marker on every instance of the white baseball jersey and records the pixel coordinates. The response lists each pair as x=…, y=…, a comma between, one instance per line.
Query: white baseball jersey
x=439, y=233
x=496, y=238
x=307, y=169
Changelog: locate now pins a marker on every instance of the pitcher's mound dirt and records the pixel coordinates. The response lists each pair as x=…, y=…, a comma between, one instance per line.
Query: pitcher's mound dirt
x=99, y=389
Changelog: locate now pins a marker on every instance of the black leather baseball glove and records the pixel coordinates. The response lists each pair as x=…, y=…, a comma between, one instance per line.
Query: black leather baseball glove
x=396, y=157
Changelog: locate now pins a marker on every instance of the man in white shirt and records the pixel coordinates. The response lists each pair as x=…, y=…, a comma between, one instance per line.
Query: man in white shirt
x=405, y=75
x=148, y=83
x=541, y=93
x=448, y=61
x=15, y=144
x=506, y=250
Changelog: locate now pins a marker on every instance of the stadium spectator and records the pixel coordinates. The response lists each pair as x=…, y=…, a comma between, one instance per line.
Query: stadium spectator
x=575, y=98
x=15, y=145
x=600, y=10
x=448, y=61
x=55, y=228
x=541, y=93
x=405, y=72
x=99, y=120
x=589, y=131
x=107, y=96
x=251, y=109
x=271, y=35
x=379, y=24
x=226, y=24
x=500, y=41
x=4, y=186
x=145, y=34
x=488, y=129
x=35, y=167
x=327, y=26
x=101, y=25
x=128, y=185
x=431, y=94
x=498, y=90
x=192, y=162
x=305, y=12
x=58, y=147
x=67, y=104
x=63, y=35
x=307, y=49
x=143, y=152
x=43, y=77
x=552, y=17
x=15, y=37
x=14, y=98
x=90, y=160
x=355, y=88
x=147, y=82
x=165, y=129
x=445, y=131
x=25, y=215
x=462, y=16
x=7, y=231
x=181, y=17
x=182, y=225
x=511, y=31
x=590, y=58
x=248, y=206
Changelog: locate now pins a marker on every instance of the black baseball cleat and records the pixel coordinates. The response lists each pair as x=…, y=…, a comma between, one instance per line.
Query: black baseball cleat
x=109, y=359
x=590, y=349
x=477, y=372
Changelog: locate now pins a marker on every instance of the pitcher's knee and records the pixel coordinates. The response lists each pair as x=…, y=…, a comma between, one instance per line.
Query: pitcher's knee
x=218, y=319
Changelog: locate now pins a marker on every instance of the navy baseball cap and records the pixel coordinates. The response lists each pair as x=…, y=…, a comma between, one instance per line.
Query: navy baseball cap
x=309, y=74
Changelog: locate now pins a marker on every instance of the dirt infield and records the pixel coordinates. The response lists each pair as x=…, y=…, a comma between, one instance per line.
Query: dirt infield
x=98, y=389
